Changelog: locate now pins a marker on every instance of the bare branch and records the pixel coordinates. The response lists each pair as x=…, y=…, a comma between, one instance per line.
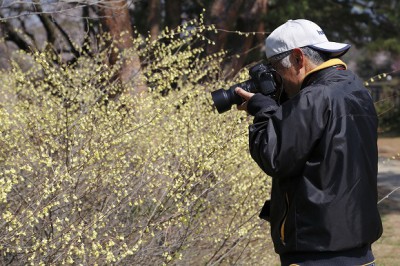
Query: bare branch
x=388, y=195
x=14, y=36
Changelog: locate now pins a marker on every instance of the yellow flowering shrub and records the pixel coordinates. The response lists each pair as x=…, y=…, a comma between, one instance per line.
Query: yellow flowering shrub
x=158, y=178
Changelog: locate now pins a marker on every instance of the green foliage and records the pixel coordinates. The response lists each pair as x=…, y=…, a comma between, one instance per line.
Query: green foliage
x=363, y=23
x=134, y=180
x=391, y=45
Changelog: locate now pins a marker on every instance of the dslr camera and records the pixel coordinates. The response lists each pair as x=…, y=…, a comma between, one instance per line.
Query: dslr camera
x=263, y=80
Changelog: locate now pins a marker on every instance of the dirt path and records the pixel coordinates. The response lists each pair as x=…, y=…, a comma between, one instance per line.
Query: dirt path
x=387, y=248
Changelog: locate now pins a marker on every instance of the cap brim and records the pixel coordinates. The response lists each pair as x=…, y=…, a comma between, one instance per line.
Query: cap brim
x=335, y=49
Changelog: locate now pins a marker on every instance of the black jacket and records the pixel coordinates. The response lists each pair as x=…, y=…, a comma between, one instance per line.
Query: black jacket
x=320, y=148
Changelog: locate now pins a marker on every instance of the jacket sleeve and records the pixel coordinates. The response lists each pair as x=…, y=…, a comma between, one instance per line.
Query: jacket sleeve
x=282, y=137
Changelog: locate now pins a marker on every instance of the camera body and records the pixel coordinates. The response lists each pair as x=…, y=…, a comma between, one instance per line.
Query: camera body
x=263, y=80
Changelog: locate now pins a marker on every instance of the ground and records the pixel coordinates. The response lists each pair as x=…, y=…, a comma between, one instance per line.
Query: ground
x=387, y=248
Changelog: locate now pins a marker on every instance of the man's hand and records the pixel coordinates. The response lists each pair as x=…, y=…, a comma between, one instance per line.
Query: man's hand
x=246, y=96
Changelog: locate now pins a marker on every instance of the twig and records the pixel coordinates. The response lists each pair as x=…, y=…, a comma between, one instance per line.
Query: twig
x=387, y=196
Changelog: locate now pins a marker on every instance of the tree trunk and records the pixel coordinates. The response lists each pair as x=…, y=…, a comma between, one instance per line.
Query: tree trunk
x=116, y=20
x=173, y=10
x=154, y=18
x=223, y=14
x=51, y=29
x=252, y=21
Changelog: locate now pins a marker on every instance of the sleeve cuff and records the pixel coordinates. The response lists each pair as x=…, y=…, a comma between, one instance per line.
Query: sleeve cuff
x=259, y=102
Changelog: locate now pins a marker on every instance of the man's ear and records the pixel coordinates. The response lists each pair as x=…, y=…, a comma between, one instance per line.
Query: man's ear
x=298, y=57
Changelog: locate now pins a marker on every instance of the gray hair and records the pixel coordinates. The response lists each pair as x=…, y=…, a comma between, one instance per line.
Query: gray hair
x=315, y=56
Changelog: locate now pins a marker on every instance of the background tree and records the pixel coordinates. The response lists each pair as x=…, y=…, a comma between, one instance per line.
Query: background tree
x=66, y=25
x=154, y=18
x=71, y=28
x=115, y=18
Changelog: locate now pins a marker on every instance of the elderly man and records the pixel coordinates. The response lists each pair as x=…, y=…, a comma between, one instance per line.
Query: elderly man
x=320, y=148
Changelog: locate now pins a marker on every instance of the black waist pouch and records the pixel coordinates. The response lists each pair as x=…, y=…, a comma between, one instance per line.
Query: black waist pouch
x=265, y=211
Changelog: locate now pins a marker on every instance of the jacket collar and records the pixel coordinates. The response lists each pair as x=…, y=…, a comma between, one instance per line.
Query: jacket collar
x=311, y=76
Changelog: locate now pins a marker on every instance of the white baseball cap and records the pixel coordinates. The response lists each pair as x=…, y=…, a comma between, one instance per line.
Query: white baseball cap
x=300, y=33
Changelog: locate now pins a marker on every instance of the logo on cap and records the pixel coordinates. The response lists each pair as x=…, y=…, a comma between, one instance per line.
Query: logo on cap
x=320, y=32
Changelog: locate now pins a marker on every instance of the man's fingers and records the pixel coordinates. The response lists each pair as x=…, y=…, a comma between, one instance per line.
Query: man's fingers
x=244, y=94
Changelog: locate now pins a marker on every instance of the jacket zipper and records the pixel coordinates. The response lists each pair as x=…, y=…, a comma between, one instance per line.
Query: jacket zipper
x=284, y=219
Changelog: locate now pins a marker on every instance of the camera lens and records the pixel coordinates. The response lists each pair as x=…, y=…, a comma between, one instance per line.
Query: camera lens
x=223, y=99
